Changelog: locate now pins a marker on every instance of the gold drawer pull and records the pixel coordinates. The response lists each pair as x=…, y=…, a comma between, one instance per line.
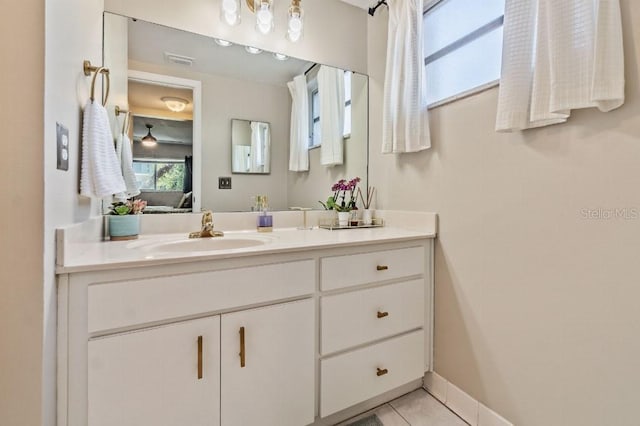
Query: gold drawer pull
x=382, y=267
x=242, y=354
x=200, y=375
x=382, y=372
x=383, y=314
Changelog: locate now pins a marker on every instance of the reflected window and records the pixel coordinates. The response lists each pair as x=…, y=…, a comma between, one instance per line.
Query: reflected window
x=462, y=46
x=159, y=175
x=315, y=138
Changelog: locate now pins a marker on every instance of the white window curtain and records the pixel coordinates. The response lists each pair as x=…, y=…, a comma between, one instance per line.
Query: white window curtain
x=405, y=125
x=260, y=143
x=559, y=56
x=299, y=142
x=331, y=96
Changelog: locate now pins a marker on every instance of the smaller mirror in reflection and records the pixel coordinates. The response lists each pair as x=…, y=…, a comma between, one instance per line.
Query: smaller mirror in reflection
x=250, y=147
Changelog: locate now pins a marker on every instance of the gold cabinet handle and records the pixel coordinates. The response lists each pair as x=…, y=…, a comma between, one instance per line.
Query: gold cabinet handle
x=382, y=372
x=242, y=352
x=200, y=375
x=383, y=314
x=382, y=267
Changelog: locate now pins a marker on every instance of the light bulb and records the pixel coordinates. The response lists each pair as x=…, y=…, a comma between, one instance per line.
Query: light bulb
x=253, y=50
x=280, y=56
x=296, y=23
x=230, y=11
x=264, y=18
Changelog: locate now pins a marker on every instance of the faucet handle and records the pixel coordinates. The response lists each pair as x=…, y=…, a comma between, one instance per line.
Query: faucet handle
x=207, y=217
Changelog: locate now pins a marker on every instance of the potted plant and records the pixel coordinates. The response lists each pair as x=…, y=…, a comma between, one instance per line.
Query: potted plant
x=124, y=219
x=343, y=199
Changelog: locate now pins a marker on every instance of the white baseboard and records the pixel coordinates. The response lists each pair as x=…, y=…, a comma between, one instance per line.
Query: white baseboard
x=461, y=403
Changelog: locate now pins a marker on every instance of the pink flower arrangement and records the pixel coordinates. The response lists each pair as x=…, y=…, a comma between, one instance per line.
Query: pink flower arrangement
x=340, y=201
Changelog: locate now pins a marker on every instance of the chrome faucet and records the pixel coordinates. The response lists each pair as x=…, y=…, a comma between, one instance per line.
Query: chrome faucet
x=207, y=230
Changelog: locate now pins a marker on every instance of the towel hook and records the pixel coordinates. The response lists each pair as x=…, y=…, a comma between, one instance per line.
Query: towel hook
x=127, y=118
x=88, y=69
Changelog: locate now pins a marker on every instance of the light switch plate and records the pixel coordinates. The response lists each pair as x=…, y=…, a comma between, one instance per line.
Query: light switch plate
x=224, y=182
x=62, y=138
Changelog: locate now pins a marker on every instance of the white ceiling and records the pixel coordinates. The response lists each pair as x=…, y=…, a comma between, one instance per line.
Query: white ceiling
x=149, y=42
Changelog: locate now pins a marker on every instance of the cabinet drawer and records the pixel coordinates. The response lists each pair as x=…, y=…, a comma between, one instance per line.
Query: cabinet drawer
x=363, y=316
x=353, y=377
x=123, y=304
x=345, y=271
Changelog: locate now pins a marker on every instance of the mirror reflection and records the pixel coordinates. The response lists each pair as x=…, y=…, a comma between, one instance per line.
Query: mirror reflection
x=250, y=147
x=310, y=120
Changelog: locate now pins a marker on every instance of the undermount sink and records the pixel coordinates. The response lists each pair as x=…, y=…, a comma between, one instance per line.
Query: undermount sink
x=204, y=244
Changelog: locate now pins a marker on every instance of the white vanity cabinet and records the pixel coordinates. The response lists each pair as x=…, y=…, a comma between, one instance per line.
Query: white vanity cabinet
x=163, y=376
x=293, y=338
x=267, y=365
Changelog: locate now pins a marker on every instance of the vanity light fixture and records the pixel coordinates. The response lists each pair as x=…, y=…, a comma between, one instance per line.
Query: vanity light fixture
x=149, y=140
x=175, y=104
x=280, y=56
x=253, y=50
x=263, y=9
x=223, y=43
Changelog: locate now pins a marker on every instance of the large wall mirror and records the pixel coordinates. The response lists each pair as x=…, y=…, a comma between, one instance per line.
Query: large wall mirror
x=217, y=110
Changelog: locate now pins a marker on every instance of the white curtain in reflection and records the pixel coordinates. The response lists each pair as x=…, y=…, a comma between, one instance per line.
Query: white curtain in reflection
x=331, y=95
x=260, y=142
x=299, y=134
x=558, y=57
x=405, y=124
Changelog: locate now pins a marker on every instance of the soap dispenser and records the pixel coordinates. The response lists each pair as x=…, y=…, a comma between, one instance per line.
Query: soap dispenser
x=265, y=221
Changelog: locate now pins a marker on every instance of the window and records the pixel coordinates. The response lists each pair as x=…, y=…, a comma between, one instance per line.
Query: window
x=315, y=119
x=462, y=46
x=315, y=138
x=159, y=175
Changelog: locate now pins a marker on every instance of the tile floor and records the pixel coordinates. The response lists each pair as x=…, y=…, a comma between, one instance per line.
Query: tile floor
x=417, y=408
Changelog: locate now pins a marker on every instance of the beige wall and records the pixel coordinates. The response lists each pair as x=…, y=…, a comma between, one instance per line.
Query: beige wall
x=73, y=34
x=305, y=189
x=22, y=219
x=222, y=100
x=347, y=27
x=536, y=307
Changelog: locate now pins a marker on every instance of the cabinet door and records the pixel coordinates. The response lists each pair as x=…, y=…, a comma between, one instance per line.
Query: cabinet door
x=165, y=376
x=270, y=380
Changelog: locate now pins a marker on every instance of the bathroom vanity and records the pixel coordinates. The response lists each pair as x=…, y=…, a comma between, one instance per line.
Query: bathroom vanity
x=305, y=328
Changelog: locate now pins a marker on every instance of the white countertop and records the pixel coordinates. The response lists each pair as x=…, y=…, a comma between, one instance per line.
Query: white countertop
x=104, y=255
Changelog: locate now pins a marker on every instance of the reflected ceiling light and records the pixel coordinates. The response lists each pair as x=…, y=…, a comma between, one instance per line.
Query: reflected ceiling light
x=280, y=56
x=223, y=43
x=263, y=9
x=253, y=50
x=295, y=24
x=230, y=11
x=175, y=104
x=149, y=140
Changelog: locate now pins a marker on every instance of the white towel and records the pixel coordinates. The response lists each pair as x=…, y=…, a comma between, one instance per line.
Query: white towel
x=299, y=138
x=331, y=93
x=559, y=56
x=100, y=174
x=124, y=154
x=405, y=125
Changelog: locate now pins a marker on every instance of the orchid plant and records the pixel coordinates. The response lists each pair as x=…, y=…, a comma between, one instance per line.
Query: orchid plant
x=344, y=196
x=128, y=207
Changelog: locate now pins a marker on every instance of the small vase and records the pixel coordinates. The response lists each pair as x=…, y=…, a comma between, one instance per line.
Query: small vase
x=124, y=227
x=367, y=216
x=343, y=218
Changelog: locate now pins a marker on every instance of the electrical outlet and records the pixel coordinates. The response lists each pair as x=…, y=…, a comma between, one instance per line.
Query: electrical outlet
x=224, y=182
x=62, y=142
